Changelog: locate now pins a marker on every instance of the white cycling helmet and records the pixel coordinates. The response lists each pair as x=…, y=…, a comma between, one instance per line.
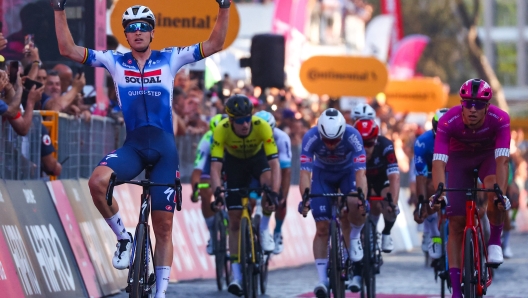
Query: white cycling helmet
x=331, y=124
x=138, y=13
x=268, y=117
x=363, y=111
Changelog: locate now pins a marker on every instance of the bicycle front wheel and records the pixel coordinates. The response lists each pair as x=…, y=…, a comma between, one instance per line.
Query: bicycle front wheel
x=369, y=258
x=138, y=275
x=219, y=245
x=246, y=263
x=469, y=266
x=336, y=282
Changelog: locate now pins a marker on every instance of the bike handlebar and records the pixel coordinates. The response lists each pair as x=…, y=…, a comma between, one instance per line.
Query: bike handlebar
x=244, y=191
x=145, y=184
x=307, y=195
x=441, y=189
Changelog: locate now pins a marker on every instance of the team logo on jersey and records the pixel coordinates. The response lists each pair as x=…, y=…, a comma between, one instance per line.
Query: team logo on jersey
x=148, y=77
x=305, y=159
x=129, y=61
x=168, y=208
x=391, y=158
x=46, y=140
x=360, y=159
x=103, y=163
x=178, y=174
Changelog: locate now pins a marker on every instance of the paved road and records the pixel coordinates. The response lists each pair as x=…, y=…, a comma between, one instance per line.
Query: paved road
x=402, y=275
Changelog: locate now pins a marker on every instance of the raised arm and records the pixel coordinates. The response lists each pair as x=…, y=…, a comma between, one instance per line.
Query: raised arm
x=67, y=46
x=215, y=43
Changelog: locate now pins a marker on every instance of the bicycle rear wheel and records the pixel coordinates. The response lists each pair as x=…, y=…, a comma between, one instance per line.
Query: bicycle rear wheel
x=336, y=282
x=441, y=261
x=469, y=266
x=369, y=258
x=138, y=275
x=246, y=264
x=219, y=244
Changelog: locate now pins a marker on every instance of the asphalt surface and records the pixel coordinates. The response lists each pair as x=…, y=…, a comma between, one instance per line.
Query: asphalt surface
x=402, y=275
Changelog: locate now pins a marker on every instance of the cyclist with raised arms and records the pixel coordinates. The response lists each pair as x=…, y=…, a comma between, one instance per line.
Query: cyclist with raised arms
x=244, y=146
x=283, y=142
x=201, y=174
x=473, y=135
x=339, y=164
x=143, y=81
x=423, y=158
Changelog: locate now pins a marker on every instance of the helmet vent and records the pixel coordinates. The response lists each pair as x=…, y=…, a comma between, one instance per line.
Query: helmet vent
x=331, y=112
x=135, y=10
x=475, y=86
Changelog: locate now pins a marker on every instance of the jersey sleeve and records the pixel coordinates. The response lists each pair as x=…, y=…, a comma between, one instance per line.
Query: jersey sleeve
x=359, y=156
x=217, y=146
x=184, y=55
x=202, y=152
x=420, y=164
x=441, y=144
x=3, y=107
x=284, y=146
x=270, y=147
x=502, y=140
x=104, y=59
x=390, y=157
x=307, y=151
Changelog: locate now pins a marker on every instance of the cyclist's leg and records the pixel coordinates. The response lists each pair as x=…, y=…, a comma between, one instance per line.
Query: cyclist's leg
x=434, y=246
x=166, y=169
x=322, y=213
x=347, y=184
x=206, y=194
x=375, y=188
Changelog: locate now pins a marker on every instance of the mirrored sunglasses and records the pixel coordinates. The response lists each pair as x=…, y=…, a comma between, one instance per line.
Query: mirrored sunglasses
x=242, y=120
x=478, y=104
x=138, y=26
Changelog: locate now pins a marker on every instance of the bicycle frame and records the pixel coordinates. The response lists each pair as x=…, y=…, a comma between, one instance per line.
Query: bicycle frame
x=246, y=214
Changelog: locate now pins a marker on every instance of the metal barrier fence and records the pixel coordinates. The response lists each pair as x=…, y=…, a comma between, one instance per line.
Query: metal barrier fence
x=82, y=144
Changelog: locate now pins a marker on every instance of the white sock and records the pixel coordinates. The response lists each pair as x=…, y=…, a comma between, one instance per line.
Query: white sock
x=355, y=232
x=162, y=280
x=210, y=224
x=321, y=265
x=375, y=219
x=433, y=225
x=116, y=224
x=237, y=273
x=264, y=222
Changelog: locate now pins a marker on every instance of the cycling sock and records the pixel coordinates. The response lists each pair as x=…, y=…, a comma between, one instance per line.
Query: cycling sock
x=454, y=274
x=495, y=234
x=433, y=225
x=375, y=219
x=116, y=224
x=237, y=274
x=278, y=225
x=210, y=225
x=355, y=232
x=162, y=280
x=264, y=221
x=388, y=227
x=505, y=238
x=321, y=265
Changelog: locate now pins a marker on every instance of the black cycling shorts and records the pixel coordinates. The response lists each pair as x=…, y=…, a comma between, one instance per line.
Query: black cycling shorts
x=377, y=186
x=239, y=174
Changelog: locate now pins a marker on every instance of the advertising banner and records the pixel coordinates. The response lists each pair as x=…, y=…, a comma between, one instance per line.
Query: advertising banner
x=71, y=227
x=47, y=244
x=94, y=243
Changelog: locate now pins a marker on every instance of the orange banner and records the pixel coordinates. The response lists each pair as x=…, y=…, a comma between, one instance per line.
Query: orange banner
x=416, y=95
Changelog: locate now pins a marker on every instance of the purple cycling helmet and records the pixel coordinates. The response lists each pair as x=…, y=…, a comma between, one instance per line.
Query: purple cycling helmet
x=476, y=89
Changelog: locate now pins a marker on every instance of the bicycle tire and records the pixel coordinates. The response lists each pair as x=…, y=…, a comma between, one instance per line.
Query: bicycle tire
x=483, y=278
x=469, y=265
x=245, y=259
x=369, y=255
x=219, y=245
x=442, y=260
x=136, y=287
x=336, y=283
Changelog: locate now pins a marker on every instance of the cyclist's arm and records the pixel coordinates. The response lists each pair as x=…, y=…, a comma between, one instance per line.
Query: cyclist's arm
x=275, y=174
x=304, y=180
x=361, y=180
x=285, y=156
x=502, y=152
x=67, y=46
x=285, y=181
x=306, y=159
x=393, y=173
x=394, y=187
x=215, y=43
x=217, y=156
x=440, y=156
x=195, y=177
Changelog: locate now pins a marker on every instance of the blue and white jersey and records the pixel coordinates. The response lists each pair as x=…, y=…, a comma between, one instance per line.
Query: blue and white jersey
x=145, y=97
x=283, y=142
x=349, y=153
x=423, y=154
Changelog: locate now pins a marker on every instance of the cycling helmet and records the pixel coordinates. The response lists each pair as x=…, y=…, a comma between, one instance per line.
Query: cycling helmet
x=368, y=129
x=138, y=13
x=267, y=116
x=238, y=105
x=476, y=89
x=331, y=124
x=214, y=121
x=363, y=111
x=439, y=113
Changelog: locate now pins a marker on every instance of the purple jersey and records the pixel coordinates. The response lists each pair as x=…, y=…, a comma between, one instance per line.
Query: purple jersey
x=452, y=135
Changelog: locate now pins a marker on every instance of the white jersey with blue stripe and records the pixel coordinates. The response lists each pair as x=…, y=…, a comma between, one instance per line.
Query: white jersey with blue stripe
x=145, y=96
x=283, y=142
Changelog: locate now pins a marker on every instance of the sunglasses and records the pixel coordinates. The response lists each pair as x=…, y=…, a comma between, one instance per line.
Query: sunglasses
x=331, y=142
x=478, y=104
x=242, y=120
x=369, y=144
x=138, y=26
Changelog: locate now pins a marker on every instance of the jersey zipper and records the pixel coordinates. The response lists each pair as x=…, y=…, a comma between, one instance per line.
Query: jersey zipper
x=141, y=73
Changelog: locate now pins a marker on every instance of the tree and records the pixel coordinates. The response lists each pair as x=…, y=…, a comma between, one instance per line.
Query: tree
x=476, y=55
